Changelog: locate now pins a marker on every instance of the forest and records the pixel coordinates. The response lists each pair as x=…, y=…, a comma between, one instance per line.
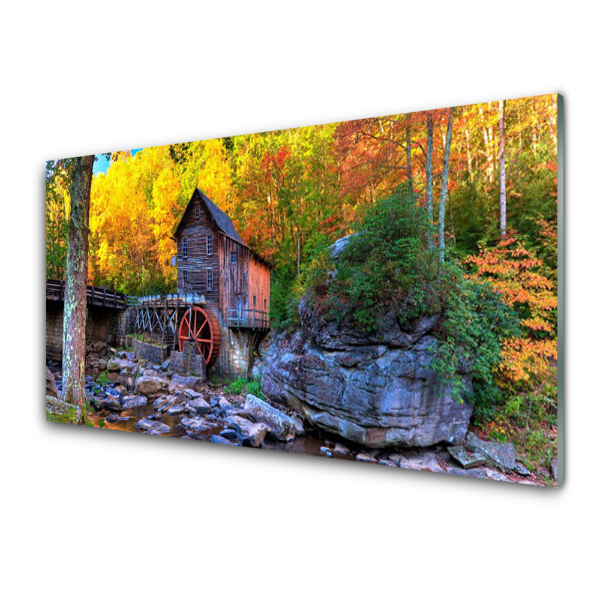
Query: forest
x=462, y=202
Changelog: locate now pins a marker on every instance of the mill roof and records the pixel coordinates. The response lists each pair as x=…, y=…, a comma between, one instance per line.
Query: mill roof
x=222, y=221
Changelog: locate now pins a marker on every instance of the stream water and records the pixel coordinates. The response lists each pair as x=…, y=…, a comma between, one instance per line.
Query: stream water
x=310, y=443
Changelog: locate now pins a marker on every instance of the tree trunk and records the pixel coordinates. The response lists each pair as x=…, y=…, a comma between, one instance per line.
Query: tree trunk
x=502, y=173
x=429, y=177
x=73, y=390
x=409, y=158
x=444, y=191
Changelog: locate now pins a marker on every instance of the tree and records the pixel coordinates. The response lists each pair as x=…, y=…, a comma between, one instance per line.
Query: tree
x=502, y=173
x=73, y=390
x=444, y=191
x=429, y=175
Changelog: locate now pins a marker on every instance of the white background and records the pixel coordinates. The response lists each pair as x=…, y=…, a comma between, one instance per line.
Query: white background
x=96, y=514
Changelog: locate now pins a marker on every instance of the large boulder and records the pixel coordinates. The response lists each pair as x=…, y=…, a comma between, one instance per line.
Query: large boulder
x=195, y=383
x=151, y=387
x=251, y=434
x=58, y=411
x=377, y=389
x=278, y=423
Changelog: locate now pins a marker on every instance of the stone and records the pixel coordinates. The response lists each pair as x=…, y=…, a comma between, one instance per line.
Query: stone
x=120, y=364
x=62, y=412
x=298, y=424
x=195, y=383
x=374, y=390
x=340, y=449
x=491, y=474
x=252, y=434
x=151, y=387
x=153, y=427
x=326, y=451
x=195, y=424
x=112, y=402
x=496, y=454
x=165, y=365
x=521, y=470
x=388, y=463
x=467, y=460
x=278, y=423
x=217, y=439
x=51, y=389
x=420, y=461
x=150, y=373
x=130, y=402
x=198, y=406
x=362, y=457
x=164, y=403
x=176, y=409
x=112, y=418
x=229, y=434
x=554, y=468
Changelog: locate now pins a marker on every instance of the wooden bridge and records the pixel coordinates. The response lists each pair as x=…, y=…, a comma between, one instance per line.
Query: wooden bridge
x=96, y=296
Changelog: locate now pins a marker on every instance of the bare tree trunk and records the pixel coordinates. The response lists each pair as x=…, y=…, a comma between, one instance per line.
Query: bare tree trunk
x=502, y=173
x=444, y=190
x=73, y=390
x=409, y=158
x=298, y=227
x=429, y=177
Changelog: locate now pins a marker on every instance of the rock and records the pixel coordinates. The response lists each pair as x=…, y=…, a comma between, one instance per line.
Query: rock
x=467, y=460
x=130, y=402
x=278, y=423
x=217, y=439
x=195, y=424
x=224, y=403
x=112, y=418
x=519, y=469
x=339, y=246
x=153, y=427
x=151, y=387
x=199, y=406
x=58, y=411
x=501, y=456
x=229, y=434
x=326, y=451
x=491, y=474
x=165, y=403
x=51, y=389
x=362, y=457
x=119, y=364
x=176, y=409
x=154, y=416
x=298, y=424
x=252, y=434
x=420, y=461
x=340, y=449
x=374, y=390
x=554, y=467
x=478, y=473
x=196, y=383
x=388, y=463
x=112, y=402
x=150, y=373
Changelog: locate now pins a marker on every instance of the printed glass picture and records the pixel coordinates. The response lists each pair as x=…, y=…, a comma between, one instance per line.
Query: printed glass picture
x=383, y=290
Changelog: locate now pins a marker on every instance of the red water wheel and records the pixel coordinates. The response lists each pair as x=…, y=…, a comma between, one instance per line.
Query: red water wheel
x=201, y=326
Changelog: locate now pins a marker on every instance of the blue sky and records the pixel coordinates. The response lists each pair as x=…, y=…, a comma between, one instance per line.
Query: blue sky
x=103, y=163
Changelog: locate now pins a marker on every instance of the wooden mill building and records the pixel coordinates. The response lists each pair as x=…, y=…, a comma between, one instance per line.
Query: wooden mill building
x=213, y=261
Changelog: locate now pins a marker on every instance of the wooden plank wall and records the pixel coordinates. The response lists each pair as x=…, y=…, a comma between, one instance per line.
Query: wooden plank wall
x=196, y=230
x=259, y=285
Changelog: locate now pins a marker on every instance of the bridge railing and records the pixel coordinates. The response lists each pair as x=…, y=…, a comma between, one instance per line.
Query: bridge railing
x=97, y=296
x=248, y=318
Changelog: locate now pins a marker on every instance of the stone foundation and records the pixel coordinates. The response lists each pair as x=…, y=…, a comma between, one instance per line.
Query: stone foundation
x=102, y=325
x=188, y=362
x=154, y=353
x=238, y=350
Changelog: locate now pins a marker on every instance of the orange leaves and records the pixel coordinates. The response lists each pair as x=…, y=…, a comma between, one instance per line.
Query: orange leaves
x=516, y=273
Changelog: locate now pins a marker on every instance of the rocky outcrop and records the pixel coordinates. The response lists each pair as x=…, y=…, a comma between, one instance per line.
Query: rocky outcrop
x=377, y=390
x=61, y=412
x=280, y=426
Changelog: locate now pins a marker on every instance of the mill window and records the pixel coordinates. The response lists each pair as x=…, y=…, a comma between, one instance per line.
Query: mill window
x=254, y=301
x=184, y=248
x=197, y=211
x=185, y=277
x=209, y=278
x=265, y=305
x=209, y=244
x=233, y=257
